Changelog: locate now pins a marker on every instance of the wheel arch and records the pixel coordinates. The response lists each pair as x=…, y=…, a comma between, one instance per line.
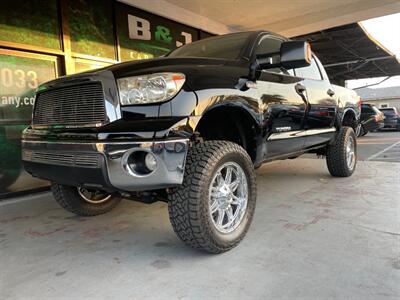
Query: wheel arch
x=349, y=118
x=230, y=122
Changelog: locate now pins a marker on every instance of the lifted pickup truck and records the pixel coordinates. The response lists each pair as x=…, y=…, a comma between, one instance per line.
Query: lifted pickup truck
x=190, y=128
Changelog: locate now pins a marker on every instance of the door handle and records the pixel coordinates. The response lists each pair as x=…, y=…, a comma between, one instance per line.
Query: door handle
x=300, y=89
x=330, y=92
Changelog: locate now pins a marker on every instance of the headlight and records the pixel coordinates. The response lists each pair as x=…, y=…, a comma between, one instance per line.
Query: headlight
x=149, y=88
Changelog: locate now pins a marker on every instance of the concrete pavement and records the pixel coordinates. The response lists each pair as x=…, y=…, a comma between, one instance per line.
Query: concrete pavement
x=313, y=237
x=373, y=144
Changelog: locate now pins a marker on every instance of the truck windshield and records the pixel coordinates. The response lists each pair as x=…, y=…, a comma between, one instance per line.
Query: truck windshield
x=225, y=47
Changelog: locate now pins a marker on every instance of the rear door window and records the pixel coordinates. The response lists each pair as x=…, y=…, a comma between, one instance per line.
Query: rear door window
x=309, y=72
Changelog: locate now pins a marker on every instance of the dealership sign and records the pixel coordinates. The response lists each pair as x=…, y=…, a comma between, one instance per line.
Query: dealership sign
x=140, y=29
x=144, y=35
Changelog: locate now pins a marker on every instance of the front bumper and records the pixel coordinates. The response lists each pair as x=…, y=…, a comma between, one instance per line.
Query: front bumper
x=105, y=165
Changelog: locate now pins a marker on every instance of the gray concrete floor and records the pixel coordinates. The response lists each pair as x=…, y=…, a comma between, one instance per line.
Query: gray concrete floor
x=379, y=146
x=372, y=145
x=313, y=237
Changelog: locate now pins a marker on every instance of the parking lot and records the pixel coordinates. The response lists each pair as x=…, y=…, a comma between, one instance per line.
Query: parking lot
x=380, y=146
x=313, y=236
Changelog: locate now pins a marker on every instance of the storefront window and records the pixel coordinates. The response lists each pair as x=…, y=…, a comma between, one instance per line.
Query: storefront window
x=143, y=35
x=20, y=75
x=82, y=65
x=33, y=22
x=91, y=28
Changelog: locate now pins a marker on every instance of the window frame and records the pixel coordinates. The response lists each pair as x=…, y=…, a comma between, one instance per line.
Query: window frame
x=319, y=71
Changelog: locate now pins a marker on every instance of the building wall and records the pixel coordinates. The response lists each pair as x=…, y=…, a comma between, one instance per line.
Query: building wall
x=43, y=39
x=389, y=102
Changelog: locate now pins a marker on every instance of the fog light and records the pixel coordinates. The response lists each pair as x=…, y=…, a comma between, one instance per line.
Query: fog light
x=141, y=163
x=150, y=161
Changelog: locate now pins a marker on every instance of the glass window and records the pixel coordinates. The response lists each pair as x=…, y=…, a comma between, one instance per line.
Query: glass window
x=290, y=72
x=321, y=69
x=269, y=45
x=309, y=72
x=33, y=22
x=367, y=109
x=82, y=65
x=91, y=28
x=225, y=47
x=20, y=75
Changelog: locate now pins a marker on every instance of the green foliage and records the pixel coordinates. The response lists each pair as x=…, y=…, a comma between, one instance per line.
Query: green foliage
x=91, y=28
x=33, y=22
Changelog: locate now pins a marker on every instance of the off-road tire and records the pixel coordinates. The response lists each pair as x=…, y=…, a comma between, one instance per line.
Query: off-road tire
x=188, y=204
x=336, y=153
x=69, y=199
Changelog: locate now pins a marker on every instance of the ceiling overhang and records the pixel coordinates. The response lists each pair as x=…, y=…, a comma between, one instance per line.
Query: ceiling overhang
x=348, y=52
x=286, y=17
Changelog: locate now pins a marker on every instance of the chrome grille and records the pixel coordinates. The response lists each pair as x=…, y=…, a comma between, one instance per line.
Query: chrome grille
x=87, y=160
x=79, y=105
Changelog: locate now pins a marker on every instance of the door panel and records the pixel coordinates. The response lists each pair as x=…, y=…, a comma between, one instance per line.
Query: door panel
x=321, y=111
x=284, y=112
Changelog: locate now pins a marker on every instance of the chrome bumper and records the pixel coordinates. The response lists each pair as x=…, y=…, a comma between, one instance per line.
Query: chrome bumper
x=68, y=157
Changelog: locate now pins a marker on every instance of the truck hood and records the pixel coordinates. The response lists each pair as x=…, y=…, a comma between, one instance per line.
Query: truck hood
x=163, y=64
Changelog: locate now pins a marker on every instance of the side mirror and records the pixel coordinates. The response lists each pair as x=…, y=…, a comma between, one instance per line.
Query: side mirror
x=295, y=54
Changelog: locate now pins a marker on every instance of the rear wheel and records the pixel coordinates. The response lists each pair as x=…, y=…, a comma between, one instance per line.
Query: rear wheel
x=341, y=156
x=213, y=208
x=82, y=201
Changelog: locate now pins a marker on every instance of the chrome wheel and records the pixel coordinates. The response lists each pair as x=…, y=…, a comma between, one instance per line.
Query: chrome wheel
x=350, y=153
x=228, y=196
x=93, y=196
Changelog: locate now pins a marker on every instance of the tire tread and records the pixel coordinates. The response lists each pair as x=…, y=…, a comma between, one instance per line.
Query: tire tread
x=186, y=215
x=68, y=198
x=336, y=153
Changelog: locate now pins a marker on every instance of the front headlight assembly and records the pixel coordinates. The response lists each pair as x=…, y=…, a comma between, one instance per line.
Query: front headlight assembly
x=151, y=88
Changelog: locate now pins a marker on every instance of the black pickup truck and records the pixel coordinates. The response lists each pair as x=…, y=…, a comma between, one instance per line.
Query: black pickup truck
x=190, y=128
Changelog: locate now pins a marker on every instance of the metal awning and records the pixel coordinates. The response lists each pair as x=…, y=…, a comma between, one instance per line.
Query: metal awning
x=348, y=52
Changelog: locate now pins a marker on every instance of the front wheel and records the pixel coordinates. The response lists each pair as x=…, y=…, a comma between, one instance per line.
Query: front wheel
x=82, y=201
x=341, y=155
x=213, y=208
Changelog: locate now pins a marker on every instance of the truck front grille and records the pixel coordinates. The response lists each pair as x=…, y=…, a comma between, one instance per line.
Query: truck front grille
x=86, y=160
x=72, y=106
